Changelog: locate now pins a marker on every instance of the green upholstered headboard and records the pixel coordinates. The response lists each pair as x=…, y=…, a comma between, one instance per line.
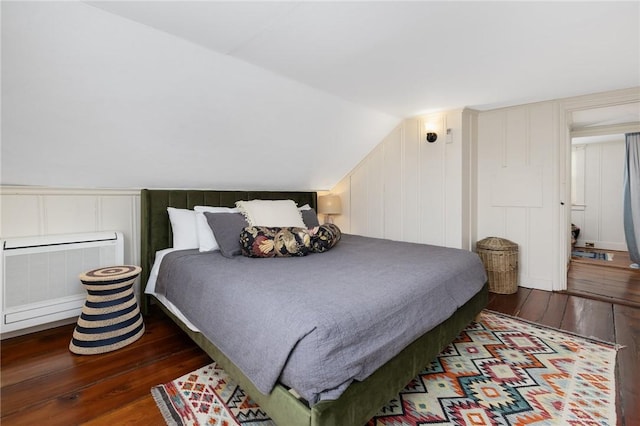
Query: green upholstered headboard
x=156, y=228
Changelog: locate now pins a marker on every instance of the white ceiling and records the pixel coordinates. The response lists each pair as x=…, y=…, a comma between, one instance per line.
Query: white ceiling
x=277, y=95
x=407, y=58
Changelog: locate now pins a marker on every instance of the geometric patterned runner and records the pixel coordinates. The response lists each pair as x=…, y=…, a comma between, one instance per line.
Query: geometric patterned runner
x=506, y=371
x=499, y=371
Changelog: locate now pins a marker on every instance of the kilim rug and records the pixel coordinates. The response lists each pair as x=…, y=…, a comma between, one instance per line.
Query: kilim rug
x=499, y=371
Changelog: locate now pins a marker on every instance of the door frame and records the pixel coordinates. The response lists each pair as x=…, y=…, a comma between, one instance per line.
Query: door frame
x=565, y=134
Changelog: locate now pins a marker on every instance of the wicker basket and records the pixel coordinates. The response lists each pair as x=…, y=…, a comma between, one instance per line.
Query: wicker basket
x=500, y=259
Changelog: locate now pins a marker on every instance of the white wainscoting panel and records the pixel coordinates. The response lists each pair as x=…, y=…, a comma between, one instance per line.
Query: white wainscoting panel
x=517, y=185
x=35, y=211
x=359, y=219
x=392, y=169
x=31, y=211
x=410, y=190
x=375, y=193
x=597, y=174
x=410, y=180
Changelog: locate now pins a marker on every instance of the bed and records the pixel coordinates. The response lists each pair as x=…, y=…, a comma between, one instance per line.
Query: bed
x=355, y=403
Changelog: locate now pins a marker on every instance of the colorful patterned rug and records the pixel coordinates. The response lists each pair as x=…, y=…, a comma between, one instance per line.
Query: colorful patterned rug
x=499, y=371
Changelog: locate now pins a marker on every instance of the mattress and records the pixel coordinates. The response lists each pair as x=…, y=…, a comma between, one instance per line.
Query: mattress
x=319, y=322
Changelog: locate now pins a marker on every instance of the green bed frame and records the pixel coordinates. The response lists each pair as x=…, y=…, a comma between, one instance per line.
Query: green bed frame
x=361, y=400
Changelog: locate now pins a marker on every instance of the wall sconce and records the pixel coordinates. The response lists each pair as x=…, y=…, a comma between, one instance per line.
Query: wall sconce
x=329, y=205
x=430, y=128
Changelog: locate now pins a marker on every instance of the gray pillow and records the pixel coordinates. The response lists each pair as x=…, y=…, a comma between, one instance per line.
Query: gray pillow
x=226, y=228
x=310, y=218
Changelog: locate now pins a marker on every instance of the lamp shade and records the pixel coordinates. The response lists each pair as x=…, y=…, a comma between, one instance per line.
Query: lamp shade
x=329, y=204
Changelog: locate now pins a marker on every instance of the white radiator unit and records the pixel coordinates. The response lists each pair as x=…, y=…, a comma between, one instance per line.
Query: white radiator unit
x=40, y=281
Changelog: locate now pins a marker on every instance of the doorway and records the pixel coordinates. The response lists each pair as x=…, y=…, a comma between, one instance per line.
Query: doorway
x=598, y=264
x=597, y=164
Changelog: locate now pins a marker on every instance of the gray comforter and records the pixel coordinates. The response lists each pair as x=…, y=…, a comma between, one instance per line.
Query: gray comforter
x=317, y=323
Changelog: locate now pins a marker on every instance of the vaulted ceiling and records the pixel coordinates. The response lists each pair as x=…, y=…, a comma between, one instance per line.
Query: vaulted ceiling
x=405, y=58
x=275, y=95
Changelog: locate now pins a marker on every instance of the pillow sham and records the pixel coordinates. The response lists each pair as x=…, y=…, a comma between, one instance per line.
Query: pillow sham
x=264, y=241
x=226, y=228
x=183, y=227
x=324, y=237
x=206, y=239
x=310, y=217
x=271, y=213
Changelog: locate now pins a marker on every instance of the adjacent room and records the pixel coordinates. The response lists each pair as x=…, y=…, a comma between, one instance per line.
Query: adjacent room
x=319, y=212
x=598, y=184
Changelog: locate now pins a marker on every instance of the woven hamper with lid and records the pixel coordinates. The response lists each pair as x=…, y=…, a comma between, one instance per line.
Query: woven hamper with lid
x=500, y=259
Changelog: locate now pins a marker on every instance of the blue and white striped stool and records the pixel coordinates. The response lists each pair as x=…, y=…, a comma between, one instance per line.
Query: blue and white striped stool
x=110, y=316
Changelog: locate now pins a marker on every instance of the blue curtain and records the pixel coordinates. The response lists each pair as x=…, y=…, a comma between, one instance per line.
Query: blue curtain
x=632, y=196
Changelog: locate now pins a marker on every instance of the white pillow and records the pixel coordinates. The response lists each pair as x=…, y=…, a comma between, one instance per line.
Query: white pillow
x=281, y=213
x=207, y=241
x=183, y=225
x=305, y=207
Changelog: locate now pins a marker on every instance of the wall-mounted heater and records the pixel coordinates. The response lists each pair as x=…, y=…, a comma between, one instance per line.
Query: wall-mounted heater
x=40, y=281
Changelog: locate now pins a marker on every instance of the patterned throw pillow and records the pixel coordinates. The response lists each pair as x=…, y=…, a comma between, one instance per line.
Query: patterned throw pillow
x=324, y=237
x=263, y=241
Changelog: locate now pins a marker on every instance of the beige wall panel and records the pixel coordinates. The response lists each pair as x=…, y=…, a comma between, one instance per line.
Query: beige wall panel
x=432, y=186
x=577, y=174
x=28, y=211
x=21, y=216
x=411, y=223
x=612, y=219
x=122, y=213
x=592, y=196
x=539, y=253
x=393, y=185
x=542, y=145
x=65, y=214
x=515, y=149
x=517, y=186
x=453, y=221
x=342, y=189
x=522, y=184
x=359, y=220
x=516, y=221
x=375, y=192
x=598, y=179
x=491, y=140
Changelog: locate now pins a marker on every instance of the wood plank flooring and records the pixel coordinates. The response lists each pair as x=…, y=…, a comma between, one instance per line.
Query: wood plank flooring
x=602, y=280
x=42, y=383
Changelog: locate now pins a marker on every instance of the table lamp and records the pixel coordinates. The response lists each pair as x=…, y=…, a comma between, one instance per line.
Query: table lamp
x=329, y=205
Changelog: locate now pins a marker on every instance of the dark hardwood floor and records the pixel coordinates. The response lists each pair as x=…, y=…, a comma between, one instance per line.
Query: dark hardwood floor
x=42, y=383
x=609, y=281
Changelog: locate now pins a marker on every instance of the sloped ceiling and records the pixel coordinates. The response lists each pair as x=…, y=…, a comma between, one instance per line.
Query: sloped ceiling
x=275, y=95
x=406, y=58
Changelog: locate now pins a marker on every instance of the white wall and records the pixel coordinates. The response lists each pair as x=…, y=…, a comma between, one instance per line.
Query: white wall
x=507, y=174
x=597, y=179
x=410, y=190
x=106, y=102
x=497, y=177
x=518, y=185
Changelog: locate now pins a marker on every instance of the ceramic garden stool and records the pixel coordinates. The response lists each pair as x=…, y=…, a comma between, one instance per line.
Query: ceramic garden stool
x=110, y=317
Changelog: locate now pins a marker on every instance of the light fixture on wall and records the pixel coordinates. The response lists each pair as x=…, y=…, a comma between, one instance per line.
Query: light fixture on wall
x=329, y=205
x=430, y=128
